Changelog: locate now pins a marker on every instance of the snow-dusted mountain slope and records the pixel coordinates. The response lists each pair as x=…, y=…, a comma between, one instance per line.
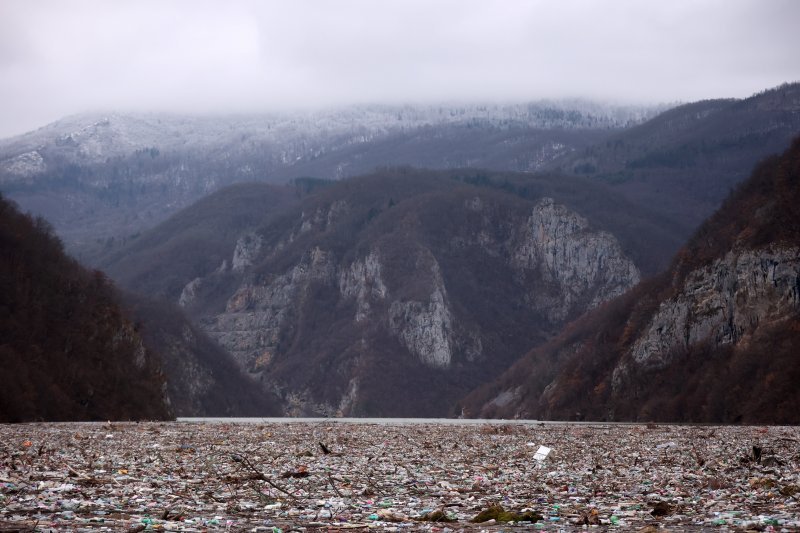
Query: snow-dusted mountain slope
x=97, y=136
x=100, y=178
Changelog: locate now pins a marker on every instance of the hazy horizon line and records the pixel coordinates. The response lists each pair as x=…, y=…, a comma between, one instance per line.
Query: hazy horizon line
x=312, y=109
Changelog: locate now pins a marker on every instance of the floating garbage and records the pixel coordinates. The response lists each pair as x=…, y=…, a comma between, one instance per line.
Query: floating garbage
x=437, y=516
x=499, y=514
x=277, y=477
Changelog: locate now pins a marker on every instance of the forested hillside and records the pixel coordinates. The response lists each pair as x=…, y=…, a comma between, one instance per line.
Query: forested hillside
x=715, y=338
x=68, y=351
x=202, y=379
x=392, y=293
x=684, y=162
x=101, y=178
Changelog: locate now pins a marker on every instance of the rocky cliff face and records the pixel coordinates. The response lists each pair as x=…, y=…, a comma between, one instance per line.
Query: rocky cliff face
x=348, y=293
x=715, y=338
x=247, y=248
x=582, y=266
x=425, y=328
x=692, y=357
x=255, y=316
x=723, y=303
x=202, y=380
x=363, y=282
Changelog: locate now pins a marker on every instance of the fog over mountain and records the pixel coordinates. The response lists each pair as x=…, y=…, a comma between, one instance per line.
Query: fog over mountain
x=61, y=58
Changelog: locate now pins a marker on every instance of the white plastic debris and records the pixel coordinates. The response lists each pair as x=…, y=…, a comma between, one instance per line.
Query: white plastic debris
x=542, y=453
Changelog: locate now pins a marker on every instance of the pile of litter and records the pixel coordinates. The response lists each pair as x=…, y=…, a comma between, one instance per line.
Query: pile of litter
x=391, y=477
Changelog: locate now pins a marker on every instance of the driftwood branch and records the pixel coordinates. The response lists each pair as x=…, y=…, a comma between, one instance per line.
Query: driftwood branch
x=260, y=475
x=333, y=486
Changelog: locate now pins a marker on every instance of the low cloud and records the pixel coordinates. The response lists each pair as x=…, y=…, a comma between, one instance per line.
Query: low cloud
x=62, y=57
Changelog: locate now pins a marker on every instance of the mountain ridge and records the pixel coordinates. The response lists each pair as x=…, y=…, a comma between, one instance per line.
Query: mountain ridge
x=712, y=339
x=403, y=273
x=99, y=190
x=100, y=178
x=685, y=161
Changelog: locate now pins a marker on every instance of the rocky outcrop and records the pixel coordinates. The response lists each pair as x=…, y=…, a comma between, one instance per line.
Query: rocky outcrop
x=323, y=217
x=581, y=265
x=362, y=281
x=249, y=328
x=202, y=380
x=561, y=266
x=247, y=248
x=189, y=292
x=424, y=328
x=722, y=303
x=254, y=315
x=715, y=338
x=694, y=356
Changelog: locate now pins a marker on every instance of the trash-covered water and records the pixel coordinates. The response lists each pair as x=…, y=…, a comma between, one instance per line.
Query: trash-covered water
x=383, y=421
x=393, y=475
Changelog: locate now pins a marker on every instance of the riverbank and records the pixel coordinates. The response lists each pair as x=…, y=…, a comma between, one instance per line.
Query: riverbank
x=244, y=476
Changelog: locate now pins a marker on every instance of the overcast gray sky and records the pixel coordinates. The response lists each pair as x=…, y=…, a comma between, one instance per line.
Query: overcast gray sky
x=59, y=57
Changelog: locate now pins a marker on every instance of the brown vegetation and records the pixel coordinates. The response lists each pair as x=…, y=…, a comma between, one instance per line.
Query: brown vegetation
x=408, y=216
x=752, y=381
x=202, y=379
x=684, y=162
x=68, y=351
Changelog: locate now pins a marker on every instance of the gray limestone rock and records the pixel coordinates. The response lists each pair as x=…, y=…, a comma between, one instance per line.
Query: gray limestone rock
x=425, y=328
x=723, y=302
x=247, y=248
x=580, y=264
x=363, y=282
